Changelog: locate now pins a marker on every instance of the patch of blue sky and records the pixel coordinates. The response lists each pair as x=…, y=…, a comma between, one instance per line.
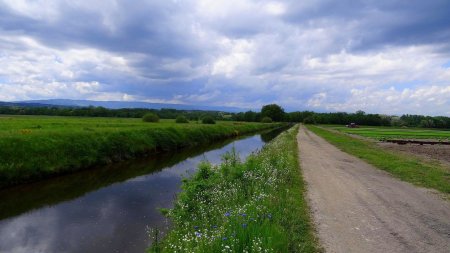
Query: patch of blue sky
x=446, y=65
x=403, y=85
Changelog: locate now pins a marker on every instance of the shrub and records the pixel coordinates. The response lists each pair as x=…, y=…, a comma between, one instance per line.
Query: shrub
x=181, y=119
x=150, y=117
x=266, y=120
x=208, y=120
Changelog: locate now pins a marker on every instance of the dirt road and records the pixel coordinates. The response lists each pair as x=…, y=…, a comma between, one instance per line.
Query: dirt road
x=358, y=208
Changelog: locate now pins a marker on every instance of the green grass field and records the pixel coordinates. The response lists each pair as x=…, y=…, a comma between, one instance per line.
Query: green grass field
x=257, y=205
x=405, y=167
x=33, y=147
x=44, y=125
x=394, y=133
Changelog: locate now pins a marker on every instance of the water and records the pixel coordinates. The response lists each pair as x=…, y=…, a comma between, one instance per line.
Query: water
x=107, y=209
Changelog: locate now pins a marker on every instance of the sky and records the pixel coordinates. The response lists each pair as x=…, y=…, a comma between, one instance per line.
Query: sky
x=379, y=56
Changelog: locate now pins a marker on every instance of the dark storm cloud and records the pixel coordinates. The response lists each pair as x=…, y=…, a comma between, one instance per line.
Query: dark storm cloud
x=377, y=24
x=239, y=52
x=144, y=27
x=164, y=28
x=155, y=30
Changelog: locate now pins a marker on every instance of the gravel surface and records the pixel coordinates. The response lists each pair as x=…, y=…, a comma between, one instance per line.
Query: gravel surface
x=358, y=208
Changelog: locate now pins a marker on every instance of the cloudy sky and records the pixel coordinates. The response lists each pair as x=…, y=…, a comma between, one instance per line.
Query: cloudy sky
x=325, y=55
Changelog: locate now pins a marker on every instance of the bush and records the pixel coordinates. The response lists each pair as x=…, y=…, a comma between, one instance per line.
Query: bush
x=181, y=119
x=208, y=120
x=266, y=120
x=150, y=117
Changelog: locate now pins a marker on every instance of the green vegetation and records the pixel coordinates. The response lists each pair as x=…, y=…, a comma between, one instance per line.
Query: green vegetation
x=252, y=206
x=34, y=147
x=150, y=117
x=405, y=167
x=208, y=120
x=181, y=119
x=309, y=120
x=92, y=111
x=266, y=120
x=395, y=133
x=273, y=111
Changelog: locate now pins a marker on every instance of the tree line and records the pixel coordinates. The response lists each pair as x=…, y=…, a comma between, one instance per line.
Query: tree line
x=271, y=112
x=94, y=111
x=343, y=118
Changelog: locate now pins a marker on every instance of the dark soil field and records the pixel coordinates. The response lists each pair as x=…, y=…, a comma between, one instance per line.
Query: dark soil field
x=440, y=153
x=436, y=152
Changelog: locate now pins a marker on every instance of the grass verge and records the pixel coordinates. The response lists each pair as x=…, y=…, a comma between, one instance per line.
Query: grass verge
x=252, y=206
x=29, y=157
x=407, y=168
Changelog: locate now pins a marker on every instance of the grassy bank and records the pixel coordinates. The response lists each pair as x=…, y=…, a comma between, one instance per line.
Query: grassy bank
x=38, y=147
x=405, y=167
x=252, y=206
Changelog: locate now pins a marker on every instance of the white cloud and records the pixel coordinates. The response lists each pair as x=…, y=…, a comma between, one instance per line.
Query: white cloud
x=433, y=100
x=317, y=100
x=321, y=55
x=275, y=8
x=236, y=59
x=39, y=9
x=42, y=72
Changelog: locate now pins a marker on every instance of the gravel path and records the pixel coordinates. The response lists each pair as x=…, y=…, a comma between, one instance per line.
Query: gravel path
x=358, y=208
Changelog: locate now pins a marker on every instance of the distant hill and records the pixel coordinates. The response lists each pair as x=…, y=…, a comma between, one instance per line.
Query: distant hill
x=119, y=104
x=29, y=104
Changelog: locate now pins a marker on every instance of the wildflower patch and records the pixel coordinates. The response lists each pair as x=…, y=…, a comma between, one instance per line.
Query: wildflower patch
x=251, y=206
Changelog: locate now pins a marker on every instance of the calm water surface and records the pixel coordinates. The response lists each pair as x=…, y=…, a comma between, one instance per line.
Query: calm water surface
x=108, y=209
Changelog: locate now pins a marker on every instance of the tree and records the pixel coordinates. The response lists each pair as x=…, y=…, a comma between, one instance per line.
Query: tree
x=266, y=120
x=250, y=116
x=181, y=119
x=427, y=123
x=208, y=120
x=309, y=120
x=273, y=111
x=150, y=117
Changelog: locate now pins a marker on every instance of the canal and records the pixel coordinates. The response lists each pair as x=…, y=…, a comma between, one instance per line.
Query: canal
x=107, y=209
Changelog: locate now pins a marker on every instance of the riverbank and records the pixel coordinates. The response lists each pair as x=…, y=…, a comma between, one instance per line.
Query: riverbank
x=35, y=148
x=253, y=206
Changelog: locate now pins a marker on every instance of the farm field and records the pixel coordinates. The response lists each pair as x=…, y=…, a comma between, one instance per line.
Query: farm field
x=439, y=153
x=42, y=125
x=403, y=166
x=33, y=147
x=394, y=133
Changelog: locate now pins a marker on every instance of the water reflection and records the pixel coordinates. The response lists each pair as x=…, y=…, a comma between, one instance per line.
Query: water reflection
x=270, y=135
x=20, y=199
x=102, y=210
